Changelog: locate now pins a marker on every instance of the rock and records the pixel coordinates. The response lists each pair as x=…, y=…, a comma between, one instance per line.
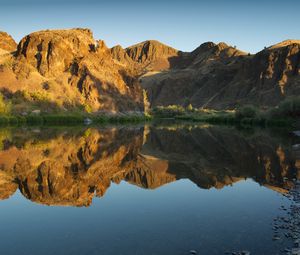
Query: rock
x=36, y=112
x=245, y=252
x=276, y=238
x=295, y=251
x=84, y=72
x=80, y=68
x=296, y=147
x=219, y=76
x=87, y=121
x=152, y=55
x=297, y=133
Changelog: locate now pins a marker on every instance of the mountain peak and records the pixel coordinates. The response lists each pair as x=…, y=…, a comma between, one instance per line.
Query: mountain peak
x=7, y=43
x=152, y=54
x=284, y=43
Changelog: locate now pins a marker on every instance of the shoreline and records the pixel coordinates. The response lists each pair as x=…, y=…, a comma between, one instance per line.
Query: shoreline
x=82, y=119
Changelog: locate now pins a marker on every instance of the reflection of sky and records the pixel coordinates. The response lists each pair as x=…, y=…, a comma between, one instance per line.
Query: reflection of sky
x=250, y=25
x=129, y=220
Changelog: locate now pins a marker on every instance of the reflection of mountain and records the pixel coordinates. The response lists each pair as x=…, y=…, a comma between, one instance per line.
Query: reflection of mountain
x=69, y=168
x=215, y=157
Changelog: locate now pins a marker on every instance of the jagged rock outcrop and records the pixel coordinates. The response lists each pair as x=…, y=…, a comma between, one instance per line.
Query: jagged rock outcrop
x=150, y=55
x=278, y=67
x=120, y=54
x=7, y=43
x=70, y=68
x=220, y=76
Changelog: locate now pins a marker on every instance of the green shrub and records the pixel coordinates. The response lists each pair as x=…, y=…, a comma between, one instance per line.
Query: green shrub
x=168, y=111
x=247, y=111
x=189, y=108
x=5, y=106
x=290, y=107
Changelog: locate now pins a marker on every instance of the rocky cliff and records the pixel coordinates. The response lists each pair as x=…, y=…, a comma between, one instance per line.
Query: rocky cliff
x=69, y=68
x=220, y=76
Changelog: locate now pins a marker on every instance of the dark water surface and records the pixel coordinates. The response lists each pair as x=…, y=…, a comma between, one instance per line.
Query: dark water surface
x=143, y=189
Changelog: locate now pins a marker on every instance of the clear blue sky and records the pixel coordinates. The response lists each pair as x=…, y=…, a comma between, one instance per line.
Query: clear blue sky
x=250, y=25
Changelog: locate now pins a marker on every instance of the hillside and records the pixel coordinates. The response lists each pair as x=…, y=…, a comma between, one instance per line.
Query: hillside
x=220, y=76
x=66, y=70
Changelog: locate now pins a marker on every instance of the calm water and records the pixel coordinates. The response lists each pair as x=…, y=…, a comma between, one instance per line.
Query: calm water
x=143, y=189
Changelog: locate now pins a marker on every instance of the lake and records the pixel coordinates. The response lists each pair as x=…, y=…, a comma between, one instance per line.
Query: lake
x=144, y=189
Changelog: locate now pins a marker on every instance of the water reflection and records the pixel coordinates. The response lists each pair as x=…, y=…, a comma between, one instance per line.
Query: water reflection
x=69, y=166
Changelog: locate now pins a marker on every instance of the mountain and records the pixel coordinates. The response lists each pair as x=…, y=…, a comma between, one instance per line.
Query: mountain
x=220, y=76
x=62, y=70
x=69, y=69
x=146, y=56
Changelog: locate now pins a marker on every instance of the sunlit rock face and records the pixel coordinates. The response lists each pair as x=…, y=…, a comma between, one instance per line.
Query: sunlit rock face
x=7, y=43
x=70, y=69
x=69, y=168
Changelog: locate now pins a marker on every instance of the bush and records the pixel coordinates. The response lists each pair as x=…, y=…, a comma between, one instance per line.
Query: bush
x=247, y=111
x=290, y=107
x=168, y=111
x=5, y=106
x=189, y=108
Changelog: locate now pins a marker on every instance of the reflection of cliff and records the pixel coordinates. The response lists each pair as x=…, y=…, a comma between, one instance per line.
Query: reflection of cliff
x=71, y=167
x=69, y=170
x=215, y=157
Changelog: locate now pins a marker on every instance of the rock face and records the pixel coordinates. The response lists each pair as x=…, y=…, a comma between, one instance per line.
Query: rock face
x=148, y=56
x=7, y=43
x=71, y=69
x=220, y=76
x=54, y=52
x=152, y=55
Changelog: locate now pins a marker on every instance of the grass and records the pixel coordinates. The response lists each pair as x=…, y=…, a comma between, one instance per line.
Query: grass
x=38, y=110
x=285, y=114
x=69, y=119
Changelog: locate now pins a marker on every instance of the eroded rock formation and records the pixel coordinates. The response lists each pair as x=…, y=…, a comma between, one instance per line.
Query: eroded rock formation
x=220, y=76
x=7, y=43
x=70, y=68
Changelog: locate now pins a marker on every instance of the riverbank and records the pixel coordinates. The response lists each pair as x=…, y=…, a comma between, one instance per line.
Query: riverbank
x=71, y=119
x=286, y=113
